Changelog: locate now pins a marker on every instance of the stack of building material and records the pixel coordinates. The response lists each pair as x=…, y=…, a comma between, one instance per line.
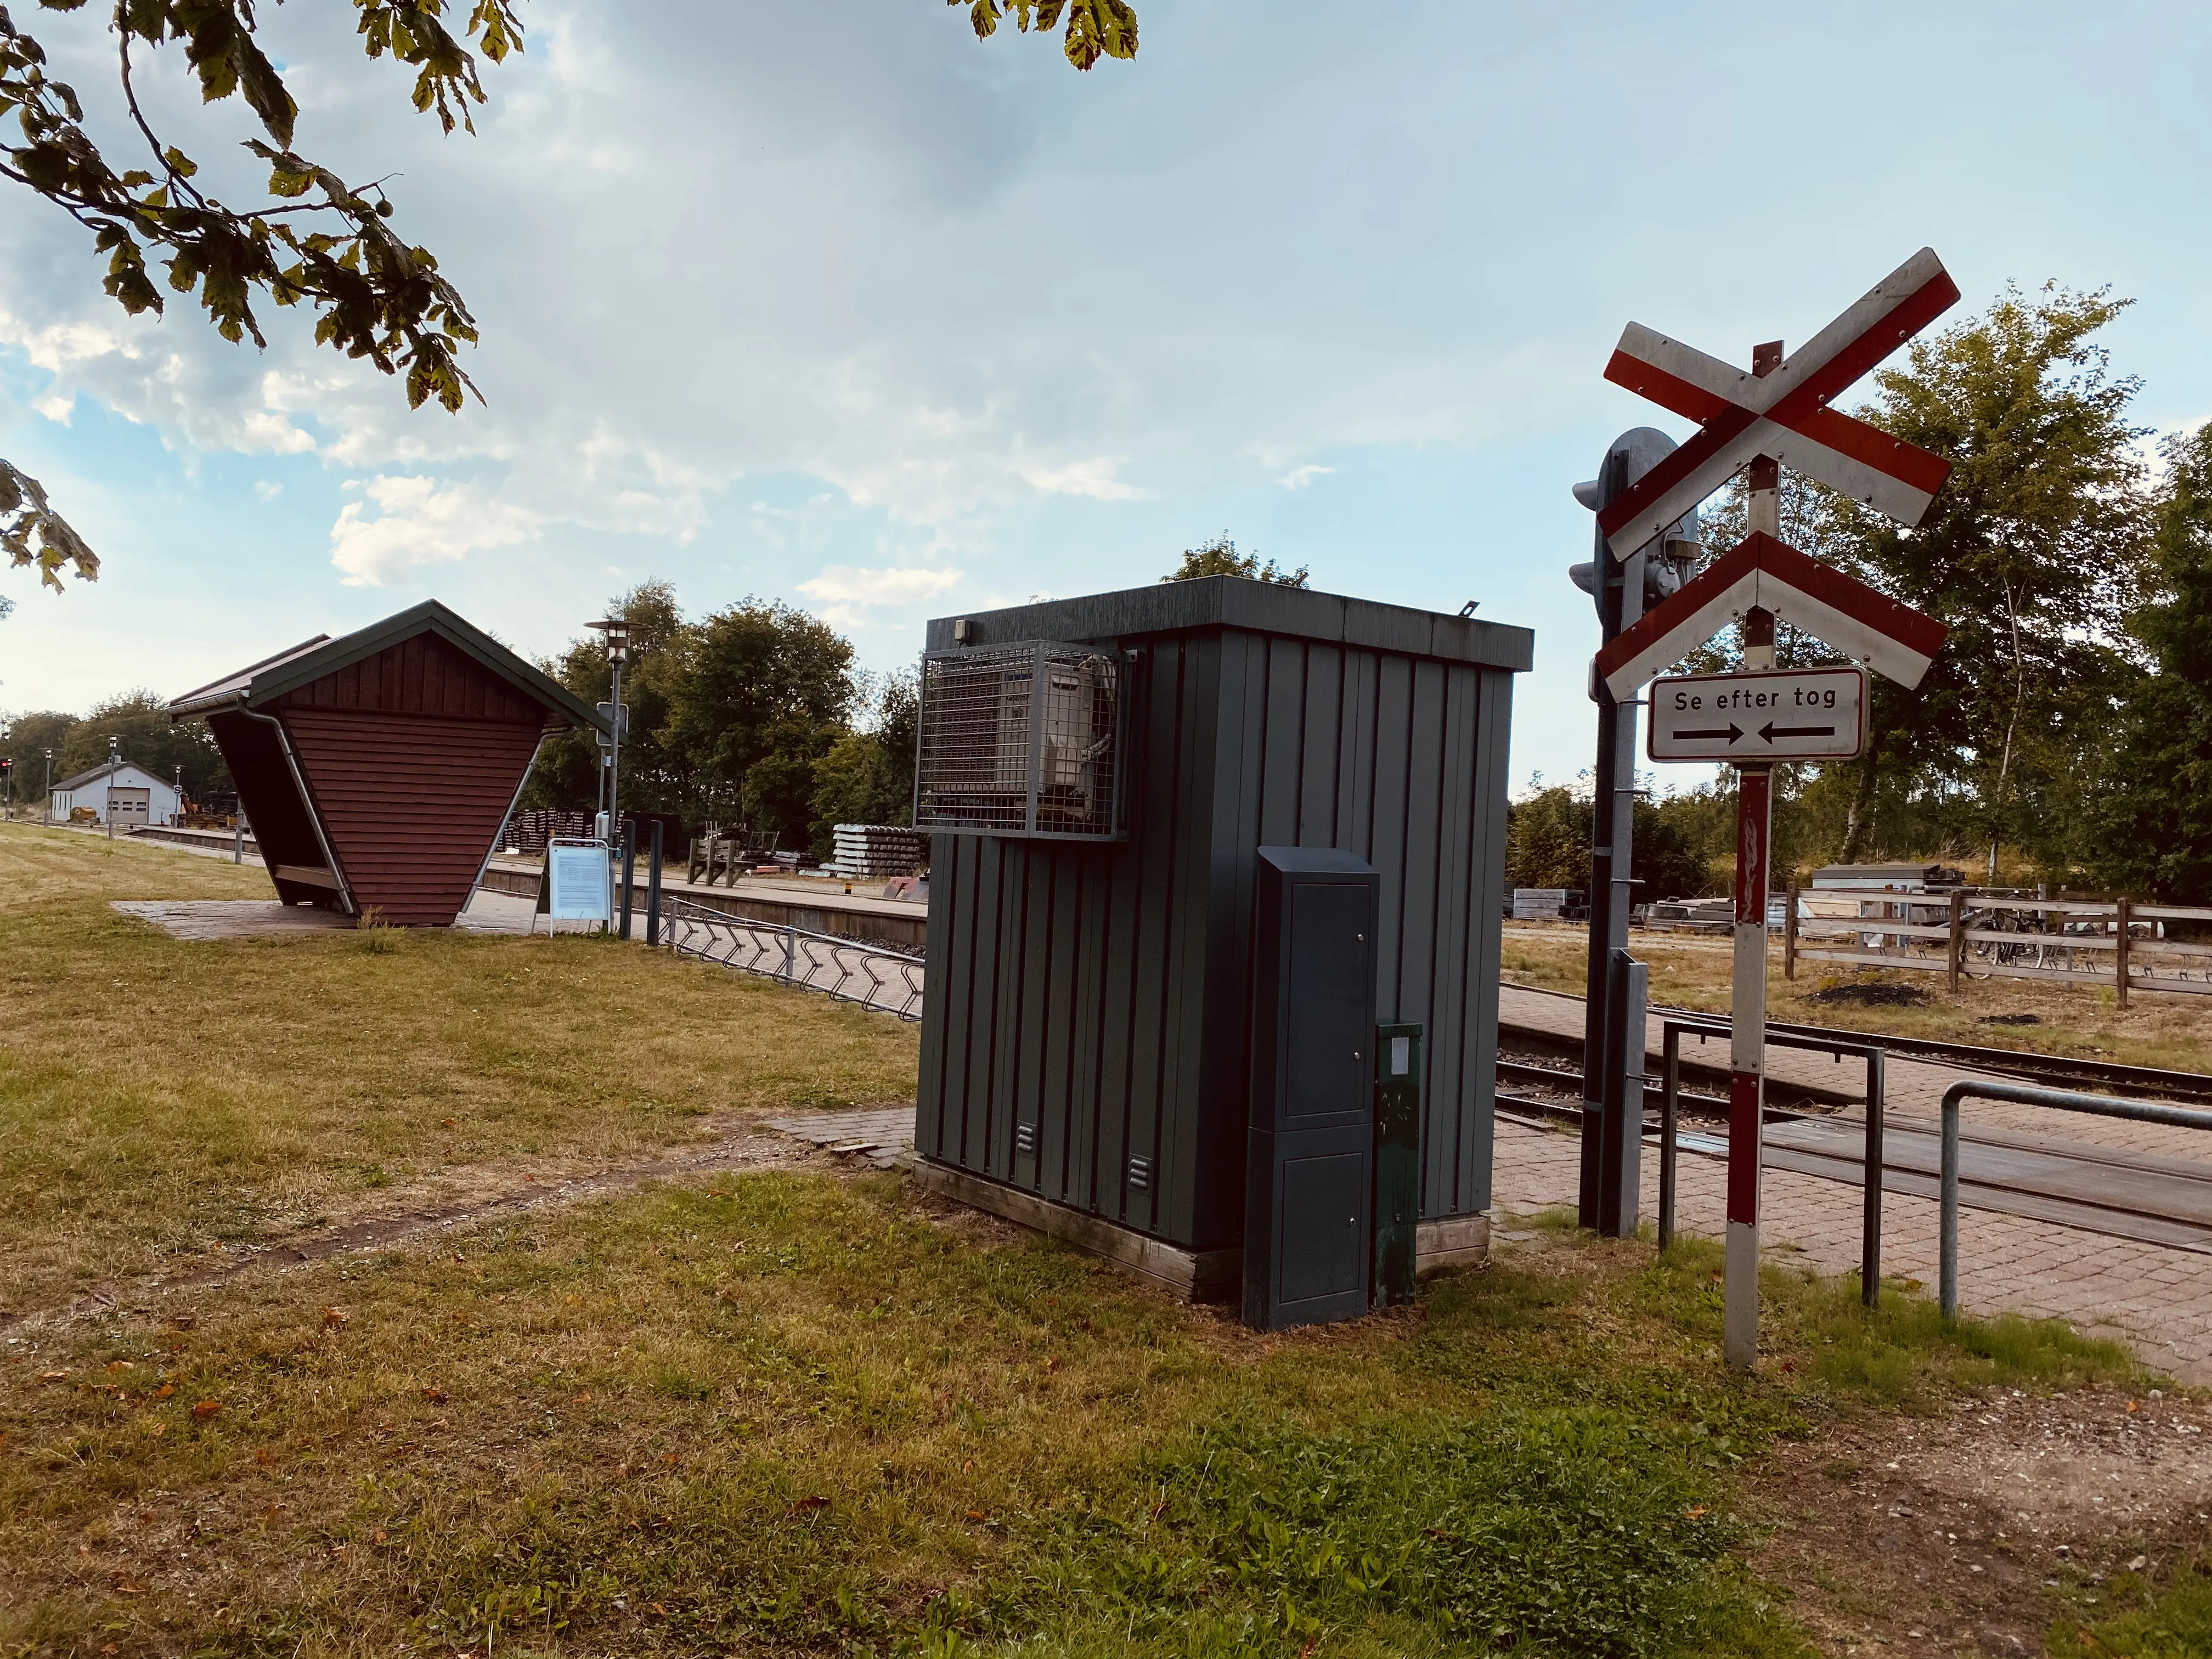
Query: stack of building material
x=529, y=832
x=878, y=849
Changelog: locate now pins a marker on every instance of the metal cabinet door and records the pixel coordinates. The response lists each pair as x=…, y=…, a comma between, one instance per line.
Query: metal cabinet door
x=1309, y=1235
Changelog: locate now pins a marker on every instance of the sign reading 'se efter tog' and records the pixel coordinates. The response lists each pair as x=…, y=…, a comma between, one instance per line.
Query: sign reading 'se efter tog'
x=1783, y=714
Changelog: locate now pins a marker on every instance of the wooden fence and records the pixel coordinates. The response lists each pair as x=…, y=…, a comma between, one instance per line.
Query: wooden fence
x=2116, y=942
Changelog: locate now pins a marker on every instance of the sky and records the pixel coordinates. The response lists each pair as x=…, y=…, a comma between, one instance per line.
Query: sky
x=833, y=304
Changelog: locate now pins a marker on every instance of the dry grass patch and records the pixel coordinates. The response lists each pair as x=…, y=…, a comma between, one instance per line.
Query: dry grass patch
x=161, y=1099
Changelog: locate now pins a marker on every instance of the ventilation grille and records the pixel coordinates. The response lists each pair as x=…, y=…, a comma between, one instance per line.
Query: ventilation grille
x=995, y=763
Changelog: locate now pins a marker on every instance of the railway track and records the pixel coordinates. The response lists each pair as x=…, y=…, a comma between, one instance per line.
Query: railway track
x=2094, y=1188
x=2053, y=1071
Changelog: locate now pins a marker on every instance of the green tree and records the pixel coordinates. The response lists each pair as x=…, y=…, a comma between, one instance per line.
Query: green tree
x=2034, y=553
x=1219, y=557
x=1547, y=839
x=1548, y=845
x=316, y=239
x=867, y=777
x=755, y=680
x=2152, y=817
x=778, y=789
x=30, y=736
x=145, y=736
x=728, y=715
x=653, y=780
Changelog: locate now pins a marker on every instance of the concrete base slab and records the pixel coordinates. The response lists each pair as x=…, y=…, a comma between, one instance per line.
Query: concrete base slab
x=1192, y=1275
x=205, y=919
x=233, y=917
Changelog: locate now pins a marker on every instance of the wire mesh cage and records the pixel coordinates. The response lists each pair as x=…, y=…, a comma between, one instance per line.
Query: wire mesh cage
x=1021, y=740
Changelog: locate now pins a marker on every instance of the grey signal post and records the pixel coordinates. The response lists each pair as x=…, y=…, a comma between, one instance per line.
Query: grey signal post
x=1624, y=585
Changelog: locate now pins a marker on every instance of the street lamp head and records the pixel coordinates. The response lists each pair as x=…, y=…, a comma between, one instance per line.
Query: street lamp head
x=616, y=630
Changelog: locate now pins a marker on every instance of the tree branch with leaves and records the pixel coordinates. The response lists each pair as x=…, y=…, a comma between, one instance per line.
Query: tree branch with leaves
x=318, y=239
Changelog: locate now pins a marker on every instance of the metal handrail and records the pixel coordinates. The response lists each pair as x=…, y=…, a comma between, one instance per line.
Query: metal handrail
x=851, y=971
x=1670, y=1092
x=2024, y=1094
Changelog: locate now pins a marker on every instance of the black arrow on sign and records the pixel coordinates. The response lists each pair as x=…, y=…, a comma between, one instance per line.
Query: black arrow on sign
x=1731, y=735
x=1768, y=732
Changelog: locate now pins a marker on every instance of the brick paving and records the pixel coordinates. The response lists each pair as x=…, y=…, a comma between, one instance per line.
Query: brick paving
x=2157, y=1300
x=879, y=1134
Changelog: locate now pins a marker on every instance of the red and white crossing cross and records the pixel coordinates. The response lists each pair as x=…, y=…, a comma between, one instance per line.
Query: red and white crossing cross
x=1786, y=414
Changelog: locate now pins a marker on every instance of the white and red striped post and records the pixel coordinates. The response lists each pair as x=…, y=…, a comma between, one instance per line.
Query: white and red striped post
x=1754, y=833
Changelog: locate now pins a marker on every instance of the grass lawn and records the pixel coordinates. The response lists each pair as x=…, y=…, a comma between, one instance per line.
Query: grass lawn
x=795, y=1411
x=800, y=1412
x=160, y=1099
x=1692, y=971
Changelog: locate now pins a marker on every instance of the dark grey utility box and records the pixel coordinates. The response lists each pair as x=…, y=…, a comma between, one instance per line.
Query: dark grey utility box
x=1086, y=1040
x=1310, y=1162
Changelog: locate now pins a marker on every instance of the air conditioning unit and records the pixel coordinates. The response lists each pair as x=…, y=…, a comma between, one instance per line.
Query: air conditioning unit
x=1021, y=740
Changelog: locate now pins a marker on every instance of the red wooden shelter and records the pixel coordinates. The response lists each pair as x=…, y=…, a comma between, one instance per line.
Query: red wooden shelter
x=377, y=769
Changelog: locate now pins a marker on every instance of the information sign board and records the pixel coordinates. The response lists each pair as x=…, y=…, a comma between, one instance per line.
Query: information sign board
x=577, y=879
x=1763, y=714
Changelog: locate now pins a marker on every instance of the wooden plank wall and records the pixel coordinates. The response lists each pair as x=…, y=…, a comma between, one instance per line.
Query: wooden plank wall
x=413, y=756
x=421, y=675
x=410, y=804
x=1100, y=993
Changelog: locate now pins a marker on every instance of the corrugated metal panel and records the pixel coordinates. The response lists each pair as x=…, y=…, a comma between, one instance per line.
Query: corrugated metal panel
x=1102, y=993
x=411, y=802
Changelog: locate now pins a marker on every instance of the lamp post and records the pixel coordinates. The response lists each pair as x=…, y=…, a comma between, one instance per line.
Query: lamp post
x=47, y=811
x=616, y=630
x=8, y=731
x=114, y=760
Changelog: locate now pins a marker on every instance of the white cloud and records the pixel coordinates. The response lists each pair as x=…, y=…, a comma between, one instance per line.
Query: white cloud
x=844, y=592
x=1094, y=477
x=267, y=488
x=419, y=522
x=1300, y=477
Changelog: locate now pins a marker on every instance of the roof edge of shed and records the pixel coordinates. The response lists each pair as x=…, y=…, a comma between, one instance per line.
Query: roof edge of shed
x=1238, y=602
x=272, y=677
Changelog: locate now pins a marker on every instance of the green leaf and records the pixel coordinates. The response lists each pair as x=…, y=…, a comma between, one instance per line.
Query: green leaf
x=180, y=163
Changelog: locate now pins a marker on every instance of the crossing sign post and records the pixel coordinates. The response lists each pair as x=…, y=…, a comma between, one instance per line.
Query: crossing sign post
x=1780, y=411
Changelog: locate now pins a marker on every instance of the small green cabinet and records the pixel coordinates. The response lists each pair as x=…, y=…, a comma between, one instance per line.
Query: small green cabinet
x=1397, y=1159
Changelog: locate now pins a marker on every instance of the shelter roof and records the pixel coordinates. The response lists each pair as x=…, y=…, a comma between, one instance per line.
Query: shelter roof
x=265, y=681
x=1211, y=602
